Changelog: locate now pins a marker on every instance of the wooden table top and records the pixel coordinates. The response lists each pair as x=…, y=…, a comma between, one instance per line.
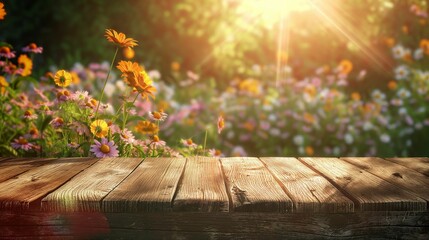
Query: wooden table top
x=204, y=184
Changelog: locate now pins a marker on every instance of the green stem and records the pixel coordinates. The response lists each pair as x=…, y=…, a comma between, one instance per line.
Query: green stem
x=126, y=112
x=105, y=82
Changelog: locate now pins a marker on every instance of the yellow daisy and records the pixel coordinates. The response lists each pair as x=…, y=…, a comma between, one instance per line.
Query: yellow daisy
x=119, y=39
x=99, y=128
x=25, y=64
x=62, y=78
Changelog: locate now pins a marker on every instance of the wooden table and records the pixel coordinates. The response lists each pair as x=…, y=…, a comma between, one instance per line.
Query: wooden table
x=211, y=198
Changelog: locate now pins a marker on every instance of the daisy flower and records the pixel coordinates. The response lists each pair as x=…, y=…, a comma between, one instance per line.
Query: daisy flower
x=104, y=148
x=62, y=78
x=220, y=124
x=188, y=143
x=156, y=142
x=29, y=115
x=22, y=143
x=119, y=39
x=157, y=116
x=33, y=48
x=99, y=128
x=57, y=122
x=25, y=63
x=127, y=136
x=215, y=153
x=6, y=52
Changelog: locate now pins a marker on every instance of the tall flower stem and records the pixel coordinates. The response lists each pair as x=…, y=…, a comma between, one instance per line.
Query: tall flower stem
x=105, y=82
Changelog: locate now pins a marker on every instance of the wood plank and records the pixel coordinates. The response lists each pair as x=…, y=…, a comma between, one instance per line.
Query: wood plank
x=309, y=191
x=394, y=173
x=149, y=188
x=14, y=166
x=252, y=187
x=368, y=192
x=202, y=187
x=26, y=190
x=420, y=165
x=85, y=191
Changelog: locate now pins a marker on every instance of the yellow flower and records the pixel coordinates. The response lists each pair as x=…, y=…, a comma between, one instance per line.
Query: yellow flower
x=2, y=11
x=146, y=127
x=25, y=64
x=99, y=128
x=62, y=78
x=3, y=85
x=345, y=67
x=119, y=39
x=128, y=53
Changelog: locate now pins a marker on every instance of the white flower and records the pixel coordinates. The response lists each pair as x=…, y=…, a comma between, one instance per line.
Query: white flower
x=298, y=140
x=384, y=138
x=398, y=51
x=401, y=72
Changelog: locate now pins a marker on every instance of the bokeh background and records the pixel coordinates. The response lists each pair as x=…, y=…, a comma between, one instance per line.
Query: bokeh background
x=297, y=79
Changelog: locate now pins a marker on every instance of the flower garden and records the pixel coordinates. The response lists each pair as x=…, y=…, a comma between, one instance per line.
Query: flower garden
x=125, y=107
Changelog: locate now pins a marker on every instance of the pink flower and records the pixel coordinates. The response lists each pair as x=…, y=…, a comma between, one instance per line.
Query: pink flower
x=104, y=148
x=22, y=143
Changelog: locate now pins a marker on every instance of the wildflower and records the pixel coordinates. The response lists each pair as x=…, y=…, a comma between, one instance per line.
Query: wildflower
x=99, y=128
x=127, y=136
x=6, y=52
x=33, y=48
x=309, y=151
x=392, y=85
x=120, y=39
x=2, y=11
x=57, y=122
x=104, y=148
x=29, y=115
x=22, y=143
x=157, y=116
x=62, y=78
x=401, y=72
x=398, y=51
x=3, y=85
x=220, y=124
x=345, y=67
x=188, y=143
x=128, y=53
x=146, y=127
x=215, y=153
x=156, y=142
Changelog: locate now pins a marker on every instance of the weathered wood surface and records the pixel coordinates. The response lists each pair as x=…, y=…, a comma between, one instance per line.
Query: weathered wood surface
x=394, y=173
x=252, y=187
x=420, y=165
x=310, y=191
x=26, y=189
x=202, y=187
x=150, y=187
x=368, y=192
x=85, y=191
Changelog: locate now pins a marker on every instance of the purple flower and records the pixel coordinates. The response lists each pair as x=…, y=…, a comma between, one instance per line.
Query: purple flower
x=104, y=148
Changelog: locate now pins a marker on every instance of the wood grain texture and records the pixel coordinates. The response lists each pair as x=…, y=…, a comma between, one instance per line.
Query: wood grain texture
x=310, y=191
x=394, y=173
x=85, y=191
x=420, y=165
x=369, y=192
x=149, y=188
x=27, y=189
x=14, y=166
x=202, y=187
x=252, y=187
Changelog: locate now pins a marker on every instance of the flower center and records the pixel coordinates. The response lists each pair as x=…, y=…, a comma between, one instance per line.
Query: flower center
x=105, y=148
x=22, y=141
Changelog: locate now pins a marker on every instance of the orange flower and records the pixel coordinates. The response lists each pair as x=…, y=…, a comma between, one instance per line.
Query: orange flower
x=2, y=11
x=119, y=39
